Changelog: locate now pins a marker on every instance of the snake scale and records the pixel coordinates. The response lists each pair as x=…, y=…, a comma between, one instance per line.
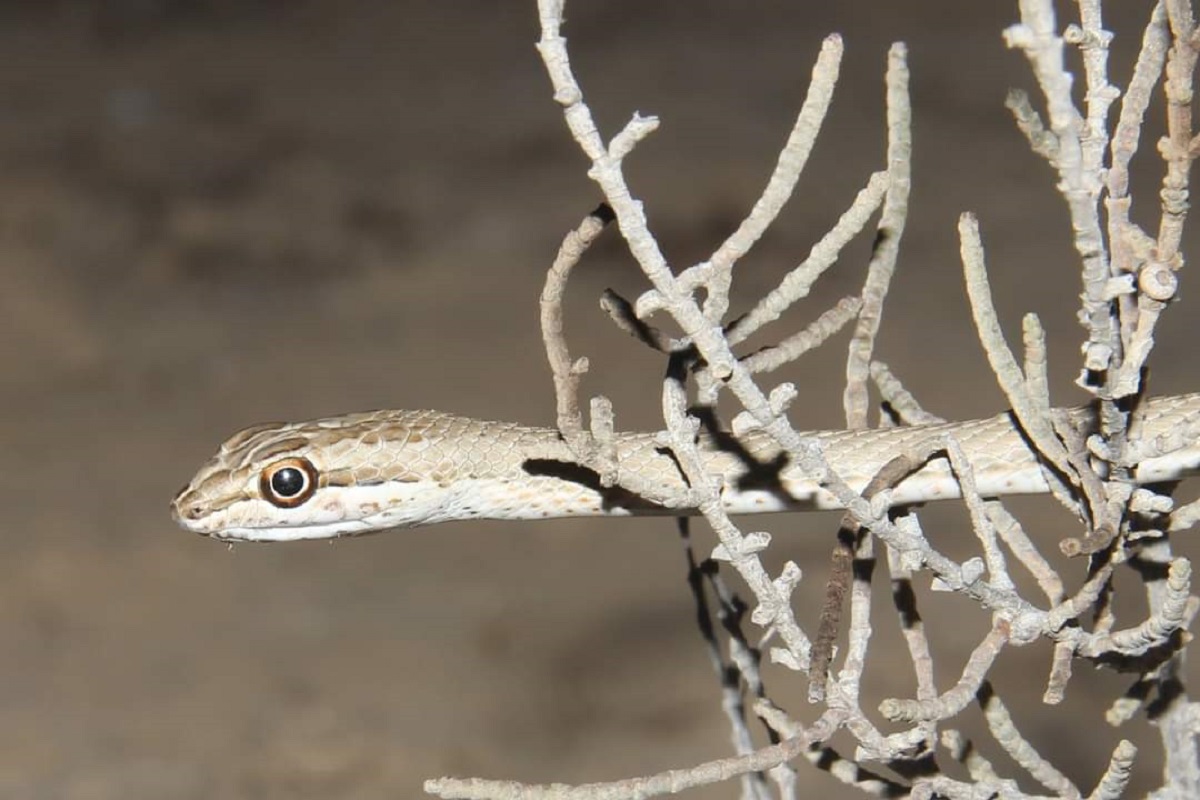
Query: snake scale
x=361, y=473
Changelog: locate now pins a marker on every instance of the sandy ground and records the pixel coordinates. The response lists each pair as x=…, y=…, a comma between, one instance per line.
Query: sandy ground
x=214, y=213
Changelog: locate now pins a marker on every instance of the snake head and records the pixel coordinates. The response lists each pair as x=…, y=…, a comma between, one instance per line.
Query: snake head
x=314, y=480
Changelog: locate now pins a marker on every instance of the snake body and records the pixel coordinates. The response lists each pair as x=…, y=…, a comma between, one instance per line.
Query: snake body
x=360, y=473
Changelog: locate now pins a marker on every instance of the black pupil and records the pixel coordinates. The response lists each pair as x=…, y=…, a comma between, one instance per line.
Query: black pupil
x=288, y=482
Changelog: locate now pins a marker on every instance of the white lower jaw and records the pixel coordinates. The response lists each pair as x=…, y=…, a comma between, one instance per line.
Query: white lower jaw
x=289, y=534
x=350, y=512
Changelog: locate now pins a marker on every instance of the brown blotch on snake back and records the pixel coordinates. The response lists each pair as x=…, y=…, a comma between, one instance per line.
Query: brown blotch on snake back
x=211, y=484
x=391, y=433
x=279, y=448
x=246, y=434
x=339, y=478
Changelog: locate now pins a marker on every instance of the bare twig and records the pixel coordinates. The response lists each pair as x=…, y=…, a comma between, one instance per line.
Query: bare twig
x=797, y=283
x=887, y=242
x=1129, y=278
x=567, y=372
x=850, y=536
x=1078, y=165
x=1005, y=732
x=1116, y=777
x=957, y=698
x=779, y=188
x=898, y=399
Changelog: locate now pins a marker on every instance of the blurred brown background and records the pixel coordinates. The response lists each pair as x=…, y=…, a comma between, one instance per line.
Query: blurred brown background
x=214, y=213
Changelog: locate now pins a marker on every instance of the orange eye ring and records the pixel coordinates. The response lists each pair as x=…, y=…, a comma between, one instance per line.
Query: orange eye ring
x=288, y=483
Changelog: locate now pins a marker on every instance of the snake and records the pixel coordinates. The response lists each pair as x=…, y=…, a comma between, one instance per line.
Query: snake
x=379, y=470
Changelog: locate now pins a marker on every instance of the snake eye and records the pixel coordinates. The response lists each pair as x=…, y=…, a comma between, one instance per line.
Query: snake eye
x=289, y=482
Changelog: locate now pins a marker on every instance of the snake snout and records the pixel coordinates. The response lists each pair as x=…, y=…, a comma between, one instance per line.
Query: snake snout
x=186, y=509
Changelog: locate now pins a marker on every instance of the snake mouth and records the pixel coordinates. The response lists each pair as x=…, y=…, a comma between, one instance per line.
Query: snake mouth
x=291, y=533
x=190, y=518
x=190, y=512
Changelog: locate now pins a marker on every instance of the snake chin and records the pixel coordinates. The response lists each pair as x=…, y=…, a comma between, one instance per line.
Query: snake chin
x=332, y=512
